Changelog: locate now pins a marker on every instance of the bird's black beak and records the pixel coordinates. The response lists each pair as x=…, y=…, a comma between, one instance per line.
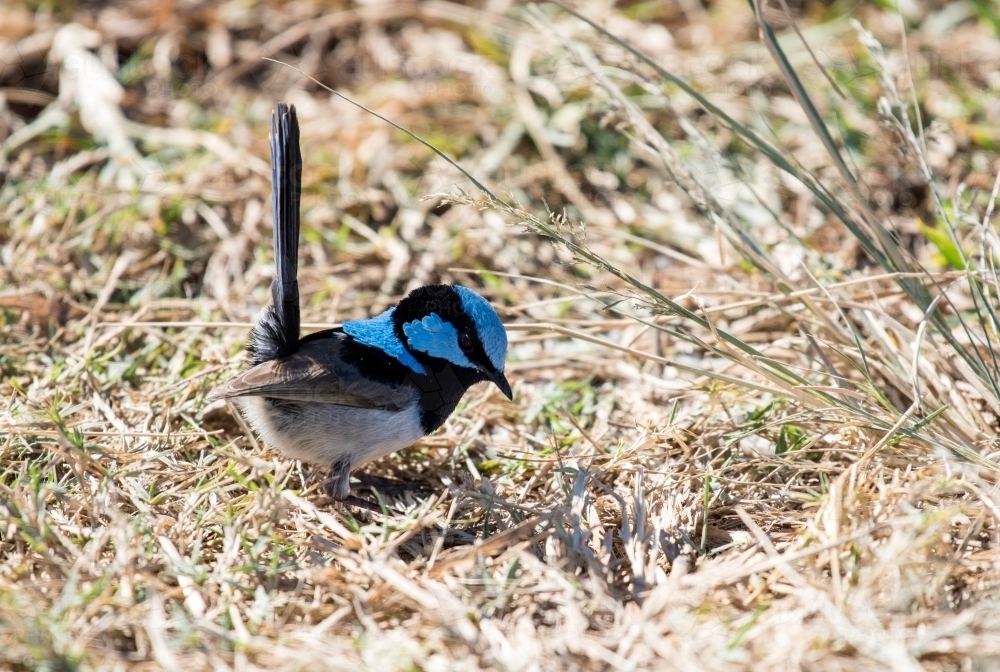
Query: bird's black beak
x=500, y=381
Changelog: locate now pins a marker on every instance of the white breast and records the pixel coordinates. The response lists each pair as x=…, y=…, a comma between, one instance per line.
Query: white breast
x=324, y=433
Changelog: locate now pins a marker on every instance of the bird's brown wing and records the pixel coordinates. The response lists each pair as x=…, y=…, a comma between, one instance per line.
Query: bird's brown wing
x=315, y=375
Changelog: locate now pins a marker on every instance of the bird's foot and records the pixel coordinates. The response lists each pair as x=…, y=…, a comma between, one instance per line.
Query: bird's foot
x=338, y=486
x=365, y=504
x=386, y=486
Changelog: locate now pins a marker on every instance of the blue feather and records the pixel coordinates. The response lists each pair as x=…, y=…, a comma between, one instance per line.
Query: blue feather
x=491, y=332
x=437, y=338
x=379, y=333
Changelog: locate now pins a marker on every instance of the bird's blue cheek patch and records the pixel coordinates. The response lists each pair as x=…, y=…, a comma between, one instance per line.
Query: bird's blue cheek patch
x=437, y=338
x=378, y=332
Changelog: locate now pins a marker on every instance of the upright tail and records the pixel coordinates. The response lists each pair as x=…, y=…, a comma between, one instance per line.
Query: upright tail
x=276, y=334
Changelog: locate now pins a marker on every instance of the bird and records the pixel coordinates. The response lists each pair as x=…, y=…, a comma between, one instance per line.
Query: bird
x=345, y=396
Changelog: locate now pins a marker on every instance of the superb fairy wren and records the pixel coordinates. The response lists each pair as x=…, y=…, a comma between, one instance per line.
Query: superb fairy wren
x=343, y=397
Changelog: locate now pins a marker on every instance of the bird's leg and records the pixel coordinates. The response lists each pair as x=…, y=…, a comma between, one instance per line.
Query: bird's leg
x=338, y=486
x=338, y=480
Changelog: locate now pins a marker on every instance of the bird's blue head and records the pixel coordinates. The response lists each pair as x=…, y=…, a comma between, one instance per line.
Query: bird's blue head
x=455, y=324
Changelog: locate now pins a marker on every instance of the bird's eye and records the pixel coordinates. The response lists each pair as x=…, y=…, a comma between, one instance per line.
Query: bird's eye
x=464, y=341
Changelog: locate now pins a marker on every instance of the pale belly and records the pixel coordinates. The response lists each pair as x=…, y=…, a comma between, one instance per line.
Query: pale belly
x=325, y=434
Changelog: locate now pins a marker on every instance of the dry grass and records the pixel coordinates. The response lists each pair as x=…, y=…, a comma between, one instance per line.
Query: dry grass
x=755, y=416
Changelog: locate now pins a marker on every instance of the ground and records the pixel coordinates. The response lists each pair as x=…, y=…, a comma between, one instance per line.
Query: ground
x=749, y=286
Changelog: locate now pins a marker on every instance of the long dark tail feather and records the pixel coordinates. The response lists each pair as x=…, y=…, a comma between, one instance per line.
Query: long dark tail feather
x=277, y=331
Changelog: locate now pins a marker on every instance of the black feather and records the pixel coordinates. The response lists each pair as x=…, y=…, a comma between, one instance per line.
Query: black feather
x=441, y=388
x=276, y=334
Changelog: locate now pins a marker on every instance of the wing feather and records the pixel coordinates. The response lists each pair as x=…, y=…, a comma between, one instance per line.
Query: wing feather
x=314, y=374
